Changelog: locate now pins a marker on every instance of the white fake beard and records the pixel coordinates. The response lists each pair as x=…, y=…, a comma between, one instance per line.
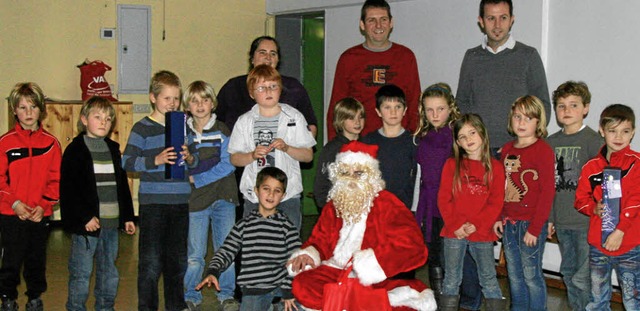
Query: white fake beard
x=352, y=198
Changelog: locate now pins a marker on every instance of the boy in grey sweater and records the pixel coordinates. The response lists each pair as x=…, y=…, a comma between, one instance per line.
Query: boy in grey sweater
x=574, y=145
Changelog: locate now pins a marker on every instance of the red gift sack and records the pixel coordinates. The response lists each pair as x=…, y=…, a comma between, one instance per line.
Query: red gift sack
x=349, y=295
x=92, y=81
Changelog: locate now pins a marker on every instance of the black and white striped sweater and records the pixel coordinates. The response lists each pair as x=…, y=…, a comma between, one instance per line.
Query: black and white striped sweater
x=265, y=244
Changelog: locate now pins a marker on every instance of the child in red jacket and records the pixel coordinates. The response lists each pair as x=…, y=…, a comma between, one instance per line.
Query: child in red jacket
x=29, y=186
x=620, y=250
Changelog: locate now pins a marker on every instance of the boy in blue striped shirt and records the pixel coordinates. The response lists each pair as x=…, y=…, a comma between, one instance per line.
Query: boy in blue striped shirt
x=164, y=208
x=214, y=194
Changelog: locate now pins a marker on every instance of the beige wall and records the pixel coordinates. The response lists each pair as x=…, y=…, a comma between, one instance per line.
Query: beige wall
x=43, y=41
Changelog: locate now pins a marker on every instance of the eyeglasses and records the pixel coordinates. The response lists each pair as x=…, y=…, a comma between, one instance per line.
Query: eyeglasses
x=272, y=87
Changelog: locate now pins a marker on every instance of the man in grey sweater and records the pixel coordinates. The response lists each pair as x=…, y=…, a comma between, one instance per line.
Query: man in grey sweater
x=493, y=75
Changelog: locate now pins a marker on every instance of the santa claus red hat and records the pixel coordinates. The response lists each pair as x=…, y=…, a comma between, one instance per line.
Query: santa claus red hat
x=357, y=152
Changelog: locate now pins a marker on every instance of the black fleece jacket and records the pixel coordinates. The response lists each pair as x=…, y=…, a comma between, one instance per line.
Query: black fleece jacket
x=78, y=191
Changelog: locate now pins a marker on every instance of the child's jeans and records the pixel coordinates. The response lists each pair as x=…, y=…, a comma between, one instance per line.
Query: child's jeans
x=84, y=249
x=524, y=264
x=574, y=268
x=627, y=268
x=470, y=290
x=220, y=216
x=482, y=253
x=263, y=302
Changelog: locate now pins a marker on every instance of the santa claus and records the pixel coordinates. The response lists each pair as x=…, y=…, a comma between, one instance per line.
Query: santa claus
x=369, y=224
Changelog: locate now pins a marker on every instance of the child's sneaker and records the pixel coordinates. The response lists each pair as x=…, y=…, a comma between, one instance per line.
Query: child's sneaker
x=230, y=305
x=9, y=305
x=34, y=305
x=191, y=306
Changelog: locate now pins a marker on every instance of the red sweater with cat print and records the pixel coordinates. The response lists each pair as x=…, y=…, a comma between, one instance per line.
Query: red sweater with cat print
x=530, y=184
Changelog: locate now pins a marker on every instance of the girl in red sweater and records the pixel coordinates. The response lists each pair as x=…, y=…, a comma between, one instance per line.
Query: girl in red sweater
x=529, y=164
x=470, y=198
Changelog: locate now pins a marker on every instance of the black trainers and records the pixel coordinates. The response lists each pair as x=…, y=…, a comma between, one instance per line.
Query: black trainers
x=34, y=305
x=9, y=305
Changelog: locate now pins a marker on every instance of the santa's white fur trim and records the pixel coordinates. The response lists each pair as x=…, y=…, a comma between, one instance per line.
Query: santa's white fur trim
x=350, y=157
x=409, y=297
x=367, y=268
x=349, y=242
x=311, y=251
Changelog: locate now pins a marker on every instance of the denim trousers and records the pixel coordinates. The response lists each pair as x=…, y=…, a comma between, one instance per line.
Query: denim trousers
x=290, y=208
x=263, y=302
x=24, y=247
x=482, y=253
x=627, y=268
x=524, y=264
x=470, y=293
x=220, y=216
x=574, y=267
x=84, y=248
x=162, y=251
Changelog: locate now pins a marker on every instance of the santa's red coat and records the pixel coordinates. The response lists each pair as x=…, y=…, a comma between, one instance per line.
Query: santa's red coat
x=391, y=243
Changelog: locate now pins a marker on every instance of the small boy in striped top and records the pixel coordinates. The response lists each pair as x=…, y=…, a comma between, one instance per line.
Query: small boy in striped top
x=95, y=201
x=266, y=238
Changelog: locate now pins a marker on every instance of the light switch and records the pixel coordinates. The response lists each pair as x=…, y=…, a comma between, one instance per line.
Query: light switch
x=107, y=33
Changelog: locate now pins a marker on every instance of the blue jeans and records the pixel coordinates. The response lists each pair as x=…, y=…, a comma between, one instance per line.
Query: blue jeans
x=470, y=293
x=263, y=302
x=627, y=268
x=291, y=208
x=162, y=250
x=84, y=249
x=574, y=250
x=221, y=217
x=524, y=264
x=482, y=253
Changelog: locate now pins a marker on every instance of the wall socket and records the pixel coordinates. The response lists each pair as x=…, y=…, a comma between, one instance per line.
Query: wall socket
x=141, y=108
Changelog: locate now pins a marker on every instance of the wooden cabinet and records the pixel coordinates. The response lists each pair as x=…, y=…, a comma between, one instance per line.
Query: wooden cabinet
x=63, y=117
x=62, y=121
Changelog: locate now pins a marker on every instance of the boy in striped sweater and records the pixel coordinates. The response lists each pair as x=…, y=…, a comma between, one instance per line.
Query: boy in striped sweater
x=214, y=194
x=164, y=203
x=266, y=238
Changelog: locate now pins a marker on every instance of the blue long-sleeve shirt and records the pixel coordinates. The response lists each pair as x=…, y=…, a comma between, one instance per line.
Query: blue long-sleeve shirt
x=213, y=176
x=146, y=141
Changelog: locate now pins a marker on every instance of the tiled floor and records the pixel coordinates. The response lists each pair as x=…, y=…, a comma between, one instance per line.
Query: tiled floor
x=57, y=276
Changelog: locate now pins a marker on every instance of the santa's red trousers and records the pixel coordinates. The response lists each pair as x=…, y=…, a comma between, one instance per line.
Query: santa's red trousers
x=308, y=286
